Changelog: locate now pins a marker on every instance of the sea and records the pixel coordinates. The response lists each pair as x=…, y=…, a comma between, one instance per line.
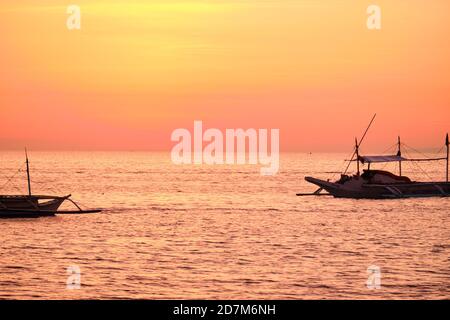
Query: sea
x=217, y=232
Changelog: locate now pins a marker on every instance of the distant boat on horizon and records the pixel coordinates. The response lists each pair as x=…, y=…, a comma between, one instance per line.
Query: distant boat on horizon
x=35, y=206
x=380, y=184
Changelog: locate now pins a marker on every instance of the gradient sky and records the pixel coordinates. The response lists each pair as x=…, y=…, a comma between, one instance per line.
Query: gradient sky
x=139, y=69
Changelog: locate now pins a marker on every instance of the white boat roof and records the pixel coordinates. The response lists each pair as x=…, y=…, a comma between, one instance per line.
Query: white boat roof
x=372, y=159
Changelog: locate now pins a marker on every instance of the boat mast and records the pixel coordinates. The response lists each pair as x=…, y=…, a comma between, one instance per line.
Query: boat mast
x=399, y=153
x=28, y=173
x=357, y=156
x=447, y=144
x=360, y=141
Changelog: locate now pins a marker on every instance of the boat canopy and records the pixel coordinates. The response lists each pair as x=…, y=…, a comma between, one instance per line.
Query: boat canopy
x=374, y=159
x=394, y=158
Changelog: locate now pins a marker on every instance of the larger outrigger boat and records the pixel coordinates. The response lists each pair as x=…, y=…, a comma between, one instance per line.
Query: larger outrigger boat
x=380, y=184
x=35, y=206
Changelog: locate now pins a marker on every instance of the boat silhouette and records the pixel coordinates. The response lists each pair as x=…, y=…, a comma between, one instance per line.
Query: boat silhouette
x=35, y=206
x=380, y=184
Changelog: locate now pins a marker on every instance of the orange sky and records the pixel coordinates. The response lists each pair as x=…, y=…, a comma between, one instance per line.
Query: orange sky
x=139, y=69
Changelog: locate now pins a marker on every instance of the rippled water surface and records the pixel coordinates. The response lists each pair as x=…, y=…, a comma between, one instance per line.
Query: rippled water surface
x=217, y=232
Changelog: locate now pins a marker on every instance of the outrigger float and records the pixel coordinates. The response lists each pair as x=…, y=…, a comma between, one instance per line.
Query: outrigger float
x=379, y=184
x=35, y=206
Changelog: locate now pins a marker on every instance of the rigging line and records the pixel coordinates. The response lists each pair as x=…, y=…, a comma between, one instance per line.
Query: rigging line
x=6, y=177
x=410, y=166
x=16, y=188
x=390, y=148
x=384, y=166
x=342, y=166
x=360, y=141
x=415, y=150
x=440, y=150
x=418, y=166
x=387, y=151
x=414, y=167
x=423, y=171
x=13, y=186
x=384, y=152
x=12, y=177
x=37, y=174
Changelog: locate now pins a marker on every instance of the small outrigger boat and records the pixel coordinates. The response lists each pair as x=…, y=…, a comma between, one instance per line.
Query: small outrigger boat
x=35, y=206
x=380, y=184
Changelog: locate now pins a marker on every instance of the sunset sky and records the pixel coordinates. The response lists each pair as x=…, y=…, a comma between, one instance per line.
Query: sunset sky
x=139, y=69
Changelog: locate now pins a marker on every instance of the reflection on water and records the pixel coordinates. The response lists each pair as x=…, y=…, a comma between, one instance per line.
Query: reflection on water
x=217, y=232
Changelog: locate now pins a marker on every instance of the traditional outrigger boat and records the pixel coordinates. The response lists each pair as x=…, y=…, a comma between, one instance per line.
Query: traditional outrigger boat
x=35, y=206
x=380, y=184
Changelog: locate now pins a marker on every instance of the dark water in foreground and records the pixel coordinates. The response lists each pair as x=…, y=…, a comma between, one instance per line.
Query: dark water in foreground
x=217, y=232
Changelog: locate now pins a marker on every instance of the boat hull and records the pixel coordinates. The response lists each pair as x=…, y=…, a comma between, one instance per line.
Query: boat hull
x=29, y=206
x=22, y=214
x=384, y=191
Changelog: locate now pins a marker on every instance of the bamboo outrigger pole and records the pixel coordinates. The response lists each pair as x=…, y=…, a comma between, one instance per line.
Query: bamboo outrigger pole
x=399, y=153
x=28, y=173
x=447, y=144
x=357, y=156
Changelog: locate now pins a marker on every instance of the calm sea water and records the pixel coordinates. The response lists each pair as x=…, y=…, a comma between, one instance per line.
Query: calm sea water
x=217, y=232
